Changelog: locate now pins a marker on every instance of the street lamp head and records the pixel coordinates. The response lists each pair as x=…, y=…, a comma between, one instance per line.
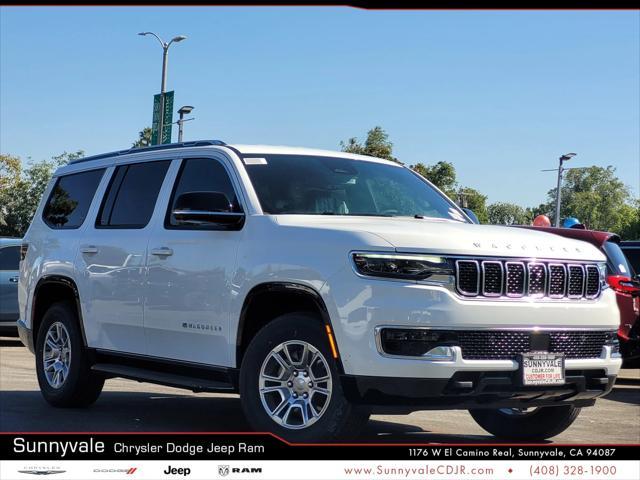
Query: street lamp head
x=179, y=38
x=567, y=156
x=185, y=110
x=143, y=33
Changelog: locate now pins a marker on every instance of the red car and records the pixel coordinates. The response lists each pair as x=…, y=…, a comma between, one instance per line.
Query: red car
x=621, y=278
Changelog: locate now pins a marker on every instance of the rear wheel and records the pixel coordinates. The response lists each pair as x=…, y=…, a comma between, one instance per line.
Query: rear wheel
x=289, y=383
x=62, y=366
x=526, y=424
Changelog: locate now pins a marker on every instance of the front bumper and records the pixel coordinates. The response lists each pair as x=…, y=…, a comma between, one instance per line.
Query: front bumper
x=26, y=335
x=472, y=390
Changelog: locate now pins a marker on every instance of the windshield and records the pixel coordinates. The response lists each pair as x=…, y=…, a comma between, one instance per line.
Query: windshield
x=311, y=185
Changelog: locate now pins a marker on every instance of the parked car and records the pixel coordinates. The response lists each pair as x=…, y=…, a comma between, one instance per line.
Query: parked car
x=631, y=250
x=322, y=286
x=9, y=271
x=622, y=278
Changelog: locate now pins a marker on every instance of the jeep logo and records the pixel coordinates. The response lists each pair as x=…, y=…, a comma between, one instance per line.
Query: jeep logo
x=177, y=471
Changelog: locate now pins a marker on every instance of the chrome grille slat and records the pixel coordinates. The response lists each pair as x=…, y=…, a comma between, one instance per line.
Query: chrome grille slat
x=575, y=287
x=492, y=278
x=592, y=282
x=537, y=284
x=557, y=280
x=468, y=277
x=540, y=279
x=515, y=283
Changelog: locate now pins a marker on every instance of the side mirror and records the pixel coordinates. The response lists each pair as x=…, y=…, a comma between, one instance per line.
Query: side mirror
x=207, y=209
x=472, y=216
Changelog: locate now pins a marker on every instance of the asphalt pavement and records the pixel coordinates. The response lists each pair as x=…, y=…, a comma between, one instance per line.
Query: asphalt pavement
x=129, y=406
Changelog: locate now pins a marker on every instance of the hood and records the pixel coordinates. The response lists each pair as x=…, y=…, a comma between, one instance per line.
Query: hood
x=436, y=236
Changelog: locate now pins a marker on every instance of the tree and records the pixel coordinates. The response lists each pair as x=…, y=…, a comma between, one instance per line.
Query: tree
x=472, y=199
x=598, y=198
x=377, y=144
x=144, y=138
x=441, y=174
x=503, y=213
x=22, y=188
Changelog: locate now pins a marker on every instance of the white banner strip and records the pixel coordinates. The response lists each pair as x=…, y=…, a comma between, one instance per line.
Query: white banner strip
x=320, y=470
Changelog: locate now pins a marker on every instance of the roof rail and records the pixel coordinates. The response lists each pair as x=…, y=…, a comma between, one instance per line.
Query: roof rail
x=153, y=148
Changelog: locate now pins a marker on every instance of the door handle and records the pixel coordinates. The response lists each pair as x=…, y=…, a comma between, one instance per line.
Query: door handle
x=13, y=279
x=89, y=249
x=162, y=252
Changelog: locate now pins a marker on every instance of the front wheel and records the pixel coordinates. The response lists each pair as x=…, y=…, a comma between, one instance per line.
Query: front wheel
x=526, y=424
x=289, y=383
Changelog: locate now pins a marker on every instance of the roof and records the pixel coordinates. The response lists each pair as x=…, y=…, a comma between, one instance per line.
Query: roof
x=286, y=150
x=594, y=237
x=5, y=241
x=243, y=149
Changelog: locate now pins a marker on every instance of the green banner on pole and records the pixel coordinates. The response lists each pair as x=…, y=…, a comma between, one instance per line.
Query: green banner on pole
x=167, y=120
x=155, y=123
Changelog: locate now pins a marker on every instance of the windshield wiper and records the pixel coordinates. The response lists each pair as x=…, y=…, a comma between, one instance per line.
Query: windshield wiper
x=357, y=214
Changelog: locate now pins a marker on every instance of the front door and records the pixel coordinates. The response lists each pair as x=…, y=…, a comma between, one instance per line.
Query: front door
x=112, y=258
x=190, y=275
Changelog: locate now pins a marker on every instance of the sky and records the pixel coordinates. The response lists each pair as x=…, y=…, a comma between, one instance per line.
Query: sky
x=500, y=94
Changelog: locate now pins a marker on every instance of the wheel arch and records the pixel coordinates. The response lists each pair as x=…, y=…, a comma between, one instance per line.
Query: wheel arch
x=49, y=290
x=273, y=299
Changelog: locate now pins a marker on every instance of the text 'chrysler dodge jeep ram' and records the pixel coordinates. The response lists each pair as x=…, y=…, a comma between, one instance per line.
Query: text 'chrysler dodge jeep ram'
x=320, y=286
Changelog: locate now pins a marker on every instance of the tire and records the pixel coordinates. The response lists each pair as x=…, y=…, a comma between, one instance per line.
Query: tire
x=539, y=424
x=335, y=417
x=79, y=387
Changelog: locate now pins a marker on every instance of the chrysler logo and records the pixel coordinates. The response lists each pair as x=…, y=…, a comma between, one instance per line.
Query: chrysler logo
x=41, y=472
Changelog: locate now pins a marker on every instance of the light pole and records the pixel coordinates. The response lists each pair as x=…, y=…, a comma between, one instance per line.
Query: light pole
x=165, y=58
x=185, y=110
x=564, y=158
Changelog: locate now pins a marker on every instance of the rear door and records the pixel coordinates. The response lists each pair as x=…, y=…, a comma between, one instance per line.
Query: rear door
x=9, y=272
x=113, y=254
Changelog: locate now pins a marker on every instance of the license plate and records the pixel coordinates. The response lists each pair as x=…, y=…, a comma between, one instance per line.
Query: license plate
x=542, y=368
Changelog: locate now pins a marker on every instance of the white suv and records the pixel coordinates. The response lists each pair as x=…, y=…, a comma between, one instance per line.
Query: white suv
x=321, y=286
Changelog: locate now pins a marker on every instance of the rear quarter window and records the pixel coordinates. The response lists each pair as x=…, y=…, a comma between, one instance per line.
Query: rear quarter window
x=70, y=199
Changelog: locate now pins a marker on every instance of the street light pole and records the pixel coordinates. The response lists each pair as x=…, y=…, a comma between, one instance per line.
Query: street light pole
x=562, y=159
x=182, y=112
x=165, y=59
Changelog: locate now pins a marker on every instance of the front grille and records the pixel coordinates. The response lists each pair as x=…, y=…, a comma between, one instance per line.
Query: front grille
x=515, y=279
x=507, y=345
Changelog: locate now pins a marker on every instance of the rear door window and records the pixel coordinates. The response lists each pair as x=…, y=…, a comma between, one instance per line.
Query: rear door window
x=71, y=198
x=132, y=194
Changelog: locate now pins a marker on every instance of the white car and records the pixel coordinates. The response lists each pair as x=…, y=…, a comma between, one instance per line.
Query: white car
x=321, y=286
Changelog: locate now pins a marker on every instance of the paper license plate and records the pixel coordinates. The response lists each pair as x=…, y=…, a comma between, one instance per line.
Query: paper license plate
x=542, y=368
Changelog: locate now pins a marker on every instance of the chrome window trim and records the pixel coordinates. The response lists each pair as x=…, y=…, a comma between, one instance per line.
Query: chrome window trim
x=502, y=278
x=566, y=278
x=460, y=290
x=584, y=278
x=528, y=283
x=506, y=281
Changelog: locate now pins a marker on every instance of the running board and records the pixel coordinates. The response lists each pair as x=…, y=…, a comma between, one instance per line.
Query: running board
x=194, y=384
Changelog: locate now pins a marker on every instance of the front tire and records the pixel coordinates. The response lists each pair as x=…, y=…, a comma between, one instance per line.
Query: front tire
x=62, y=365
x=290, y=385
x=514, y=424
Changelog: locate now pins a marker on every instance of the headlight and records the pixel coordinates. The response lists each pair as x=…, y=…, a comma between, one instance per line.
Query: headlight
x=409, y=267
x=603, y=276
